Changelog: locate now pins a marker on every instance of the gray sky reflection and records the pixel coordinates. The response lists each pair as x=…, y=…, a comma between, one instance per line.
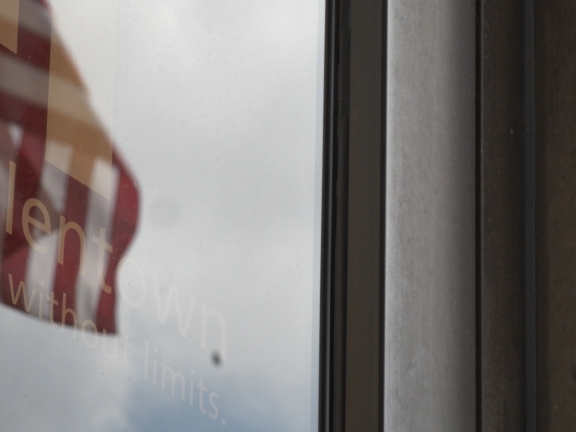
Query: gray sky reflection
x=214, y=107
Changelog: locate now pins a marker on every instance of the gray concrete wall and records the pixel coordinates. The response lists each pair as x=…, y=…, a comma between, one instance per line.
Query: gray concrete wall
x=430, y=222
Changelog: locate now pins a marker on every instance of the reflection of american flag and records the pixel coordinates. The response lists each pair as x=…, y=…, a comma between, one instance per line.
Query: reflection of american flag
x=58, y=166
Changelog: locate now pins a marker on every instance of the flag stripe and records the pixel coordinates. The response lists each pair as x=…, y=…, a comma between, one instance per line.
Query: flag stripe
x=30, y=117
x=15, y=254
x=66, y=101
x=23, y=81
x=125, y=220
x=40, y=271
x=35, y=18
x=73, y=251
x=33, y=48
x=100, y=215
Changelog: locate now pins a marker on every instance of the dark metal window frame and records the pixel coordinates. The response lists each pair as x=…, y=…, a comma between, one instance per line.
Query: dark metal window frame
x=352, y=344
x=508, y=212
x=494, y=228
x=352, y=392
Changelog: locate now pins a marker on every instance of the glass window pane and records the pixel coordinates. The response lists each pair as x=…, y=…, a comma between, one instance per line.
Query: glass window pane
x=160, y=186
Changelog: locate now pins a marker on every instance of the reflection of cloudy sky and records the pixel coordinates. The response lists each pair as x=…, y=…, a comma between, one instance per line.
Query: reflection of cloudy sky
x=214, y=108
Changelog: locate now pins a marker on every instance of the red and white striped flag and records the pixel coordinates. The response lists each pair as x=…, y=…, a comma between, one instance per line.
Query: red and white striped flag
x=69, y=204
